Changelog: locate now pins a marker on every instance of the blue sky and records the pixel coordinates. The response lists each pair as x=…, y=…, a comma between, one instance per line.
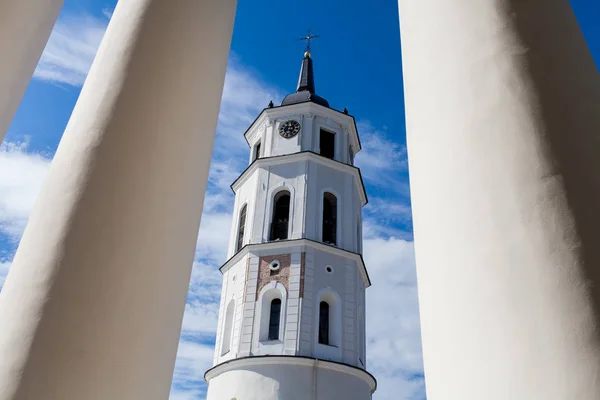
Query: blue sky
x=357, y=65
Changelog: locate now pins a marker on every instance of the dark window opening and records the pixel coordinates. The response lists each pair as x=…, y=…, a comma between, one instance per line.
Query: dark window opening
x=256, y=152
x=350, y=156
x=329, y=218
x=327, y=144
x=274, y=319
x=281, y=216
x=241, y=227
x=324, y=323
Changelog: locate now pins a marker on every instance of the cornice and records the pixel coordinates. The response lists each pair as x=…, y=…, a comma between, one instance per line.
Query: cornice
x=303, y=156
x=243, y=362
x=308, y=108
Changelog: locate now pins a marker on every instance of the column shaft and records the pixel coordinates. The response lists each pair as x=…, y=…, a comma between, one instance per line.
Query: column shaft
x=502, y=100
x=25, y=26
x=93, y=303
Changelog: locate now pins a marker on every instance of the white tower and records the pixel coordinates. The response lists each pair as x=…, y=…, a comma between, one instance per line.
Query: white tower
x=292, y=315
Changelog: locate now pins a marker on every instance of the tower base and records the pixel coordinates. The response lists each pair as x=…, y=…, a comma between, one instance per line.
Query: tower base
x=287, y=378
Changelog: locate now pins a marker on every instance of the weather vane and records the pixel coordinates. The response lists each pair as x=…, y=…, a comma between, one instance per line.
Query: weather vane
x=308, y=38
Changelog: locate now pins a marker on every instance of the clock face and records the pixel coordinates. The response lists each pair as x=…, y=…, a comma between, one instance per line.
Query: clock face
x=289, y=129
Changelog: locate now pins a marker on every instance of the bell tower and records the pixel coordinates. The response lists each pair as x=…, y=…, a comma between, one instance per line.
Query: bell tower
x=292, y=312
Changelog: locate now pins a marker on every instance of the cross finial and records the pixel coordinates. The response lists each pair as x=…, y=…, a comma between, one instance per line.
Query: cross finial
x=308, y=38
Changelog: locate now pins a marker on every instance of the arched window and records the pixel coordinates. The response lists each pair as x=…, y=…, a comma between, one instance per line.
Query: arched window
x=281, y=216
x=274, y=319
x=241, y=227
x=329, y=218
x=228, y=328
x=324, y=323
x=271, y=308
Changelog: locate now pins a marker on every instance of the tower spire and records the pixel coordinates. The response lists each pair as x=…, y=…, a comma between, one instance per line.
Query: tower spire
x=306, y=80
x=305, y=91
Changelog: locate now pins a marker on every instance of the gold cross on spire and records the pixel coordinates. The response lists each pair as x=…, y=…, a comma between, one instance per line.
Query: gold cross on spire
x=308, y=38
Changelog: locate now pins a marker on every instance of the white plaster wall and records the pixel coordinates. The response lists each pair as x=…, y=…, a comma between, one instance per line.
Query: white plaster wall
x=320, y=179
x=346, y=282
x=299, y=314
x=287, y=382
x=247, y=331
x=234, y=280
x=287, y=345
x=246, y=194
x=307, y=181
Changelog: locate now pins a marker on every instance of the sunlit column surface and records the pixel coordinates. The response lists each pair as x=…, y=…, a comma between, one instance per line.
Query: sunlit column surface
x=25, y=26
x=503, y=122
x=93, y=303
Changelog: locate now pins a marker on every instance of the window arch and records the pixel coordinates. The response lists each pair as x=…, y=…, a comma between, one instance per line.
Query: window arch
x=328, y=324
x=324, y=322
x=329, y=234
x=241, y=228
x=270, y=318
x=274, y=319
x=281, y=216
x=228, y=328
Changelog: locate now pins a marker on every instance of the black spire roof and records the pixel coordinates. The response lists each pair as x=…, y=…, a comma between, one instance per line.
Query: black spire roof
x=306, y=86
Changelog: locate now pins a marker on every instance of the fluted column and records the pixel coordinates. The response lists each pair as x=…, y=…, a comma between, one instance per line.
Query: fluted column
x=503, y=123
x=93, y=303
x=25, y=26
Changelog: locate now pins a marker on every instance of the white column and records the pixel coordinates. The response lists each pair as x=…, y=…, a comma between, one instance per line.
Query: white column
x=25, y=26
x=503, y=122
x=93, y=303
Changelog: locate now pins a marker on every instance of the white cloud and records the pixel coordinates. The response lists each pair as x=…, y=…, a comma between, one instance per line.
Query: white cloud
x=244, y=97
x=193, y=359
x=108, y=12
x=71, y=49
x=383, y=162
x=387, y=217
x=21, y=177
x=394, y=353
